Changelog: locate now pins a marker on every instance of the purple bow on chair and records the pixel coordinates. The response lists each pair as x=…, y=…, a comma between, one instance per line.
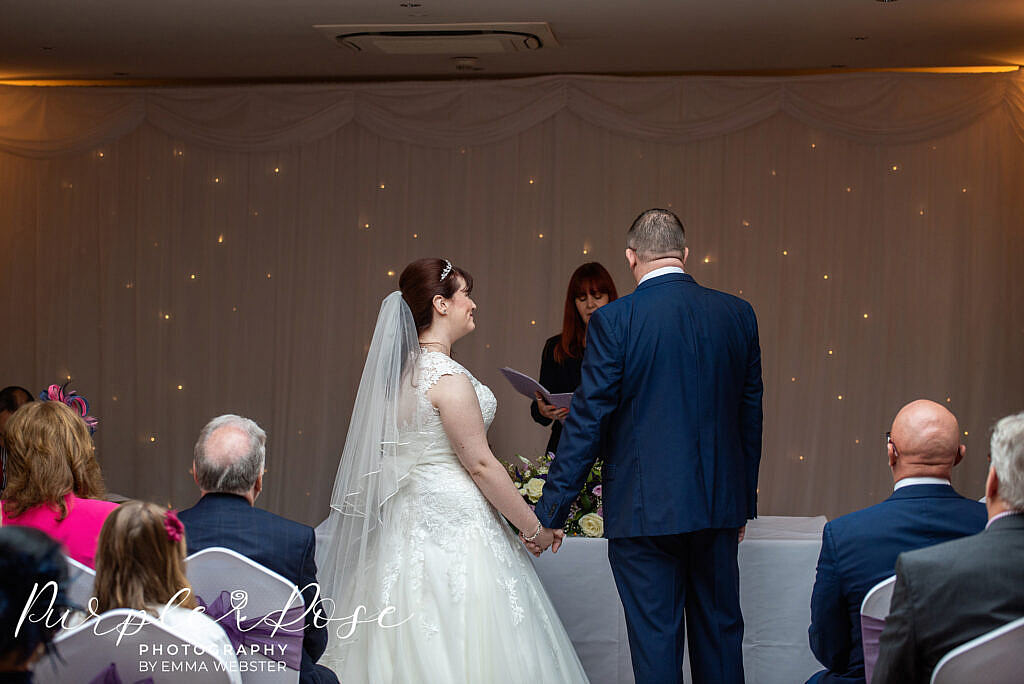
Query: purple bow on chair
x=257, y=635
x=110, y=676
x=871, y=634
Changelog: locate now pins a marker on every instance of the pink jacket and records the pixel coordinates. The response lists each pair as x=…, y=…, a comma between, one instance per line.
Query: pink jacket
x=79, y=531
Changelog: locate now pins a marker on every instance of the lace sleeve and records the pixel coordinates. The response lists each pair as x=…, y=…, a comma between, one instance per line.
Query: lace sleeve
x=435, y=366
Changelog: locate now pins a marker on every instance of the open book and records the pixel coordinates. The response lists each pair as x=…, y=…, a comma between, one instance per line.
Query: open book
x=527, y=386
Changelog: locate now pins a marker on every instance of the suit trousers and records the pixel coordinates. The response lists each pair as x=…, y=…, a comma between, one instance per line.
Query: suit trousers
x=667, y=579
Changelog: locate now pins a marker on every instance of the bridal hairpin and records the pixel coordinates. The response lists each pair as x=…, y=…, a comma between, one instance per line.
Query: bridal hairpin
x=447, y=270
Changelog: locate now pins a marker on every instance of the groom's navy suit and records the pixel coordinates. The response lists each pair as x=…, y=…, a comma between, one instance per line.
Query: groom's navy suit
x=671, y=400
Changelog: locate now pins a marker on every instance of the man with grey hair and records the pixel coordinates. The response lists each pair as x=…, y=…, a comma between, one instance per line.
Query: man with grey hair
x=671, y=399
x=228, y=467
x=948, y=594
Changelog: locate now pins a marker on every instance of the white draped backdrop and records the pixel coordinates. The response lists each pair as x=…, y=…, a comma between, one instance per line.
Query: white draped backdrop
x=185, y=252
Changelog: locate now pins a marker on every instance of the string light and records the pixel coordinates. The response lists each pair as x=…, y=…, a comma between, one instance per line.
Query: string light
x=216, y=179
x=895, y=168
x=825, y=277
x=965, y=433
x=100, y=155
x=381, y=186
x=366, y=226
x=192, y=276
x=830, y=352
x=921, y=212
x=746, y=224
x=268, y=275
x=540, y=235
x=792, y=379
x=707, y=260
x=801, y=457
x=167, y=316
x=584, y=251
x=533, y=322
x=152, y=438
x=963, y=189
x=814, y=146
x=415, y=235
x=773, y=172
x=856, y=441
x=849, y=189
x=531, y=181
x=179, y=153
x=113, y=398
x=255, y=213
x=220, y=239
x=949, y=399
x=129, y=285
x=234, y=308
x=785, y=252
x=865, y=315
x=181, y=387
x=839, y=397
x=277, y=169
x=391, y=274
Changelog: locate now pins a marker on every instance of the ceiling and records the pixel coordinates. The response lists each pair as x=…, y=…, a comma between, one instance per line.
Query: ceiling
x=275, y=40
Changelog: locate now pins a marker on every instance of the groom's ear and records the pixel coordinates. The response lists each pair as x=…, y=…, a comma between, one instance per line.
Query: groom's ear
x=630, y=258
x=686, y=253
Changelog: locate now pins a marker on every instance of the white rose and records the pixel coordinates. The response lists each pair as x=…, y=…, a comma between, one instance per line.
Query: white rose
x=592, y=525
x=534, y=488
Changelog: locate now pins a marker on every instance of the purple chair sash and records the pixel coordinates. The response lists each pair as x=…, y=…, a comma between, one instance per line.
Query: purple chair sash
x=870, y=636
x=110, y=676
x=265, y=635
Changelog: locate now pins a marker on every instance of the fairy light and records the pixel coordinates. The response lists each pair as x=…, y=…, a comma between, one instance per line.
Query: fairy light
x=830, y=352
x=839, y=397
x=825, y=277
x=100, y=155
x=167, y=316
x=533, y=322
x=192, y=276
x=415, y=236
x=540, y=235
x=268, y=275
x=366, y=226
x=216, y=179
x=963, y=189
x=965, y=433
x=129, y=285
x=707, y=260
x=220, y=239
x=391, y=274
x=584, y=251
x=746, y=224
x=181, y=387
x=792, y=379
x=277, y=169
x=814, y=146
x=531, y=181
x=772, y=172
x=865, y=315
x=921, y=212
x=801, y=457
x=152, y=439
x=849, y=189
x=785, y=252
x=895, y=168
x=381, y=186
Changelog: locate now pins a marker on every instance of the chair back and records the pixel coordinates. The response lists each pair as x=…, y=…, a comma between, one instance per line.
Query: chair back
x=80, y=582
x=214, y=571
x=86, y=651
x=996, y=657
x=873, y=611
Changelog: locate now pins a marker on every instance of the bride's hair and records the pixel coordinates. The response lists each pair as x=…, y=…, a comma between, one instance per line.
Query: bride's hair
x=421, y=281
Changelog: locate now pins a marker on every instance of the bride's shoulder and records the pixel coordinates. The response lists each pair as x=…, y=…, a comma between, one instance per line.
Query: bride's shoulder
x=434, y=365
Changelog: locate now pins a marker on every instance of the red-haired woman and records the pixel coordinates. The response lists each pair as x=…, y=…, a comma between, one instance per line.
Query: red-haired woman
x=590, y=288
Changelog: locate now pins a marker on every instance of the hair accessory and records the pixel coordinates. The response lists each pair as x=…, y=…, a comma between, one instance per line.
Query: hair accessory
x=73, y=400
x=175, y=530
x=447, y=270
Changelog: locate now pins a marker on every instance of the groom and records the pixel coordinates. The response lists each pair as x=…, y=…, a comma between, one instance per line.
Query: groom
x=671, y=400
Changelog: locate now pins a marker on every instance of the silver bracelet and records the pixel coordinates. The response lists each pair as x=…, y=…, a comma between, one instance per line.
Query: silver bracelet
x=535, y=534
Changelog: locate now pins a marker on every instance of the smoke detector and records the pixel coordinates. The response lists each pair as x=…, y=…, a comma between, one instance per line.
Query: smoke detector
x=441, y=39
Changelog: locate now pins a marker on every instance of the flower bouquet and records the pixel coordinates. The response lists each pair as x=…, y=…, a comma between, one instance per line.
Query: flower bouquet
x=586, y=514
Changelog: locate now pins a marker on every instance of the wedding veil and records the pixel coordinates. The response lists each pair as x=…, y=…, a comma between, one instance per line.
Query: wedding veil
x=372, y=464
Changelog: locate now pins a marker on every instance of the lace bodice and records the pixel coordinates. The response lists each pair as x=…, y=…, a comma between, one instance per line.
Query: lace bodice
x=432, y=367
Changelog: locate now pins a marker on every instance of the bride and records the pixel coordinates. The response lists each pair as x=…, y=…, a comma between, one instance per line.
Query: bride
x=416, y=515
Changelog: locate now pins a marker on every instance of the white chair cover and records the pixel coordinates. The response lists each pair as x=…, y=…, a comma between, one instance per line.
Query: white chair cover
x=80, y=581
x=994, y=658
x=215, y=569
x=873, y=611
x=87, y=650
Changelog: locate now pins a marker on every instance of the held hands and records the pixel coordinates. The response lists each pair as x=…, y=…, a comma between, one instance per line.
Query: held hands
x=550, y=411
x=546, y=538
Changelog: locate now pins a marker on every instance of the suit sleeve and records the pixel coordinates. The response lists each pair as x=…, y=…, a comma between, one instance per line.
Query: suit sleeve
x=898, y=659
x=752, y=415
x=314, y=639
x=593, y=403
x=829, y=633
x=547, y=370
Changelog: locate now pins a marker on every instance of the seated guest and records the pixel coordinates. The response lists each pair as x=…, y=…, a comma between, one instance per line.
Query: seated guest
x=951, y=593
x=859, y=550
x=228, y=468
x=11, y=398
x=28, y=559
x=140, y=564
x=53, y=480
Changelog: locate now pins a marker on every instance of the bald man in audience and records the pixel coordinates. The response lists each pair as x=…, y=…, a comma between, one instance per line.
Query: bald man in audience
x=228, y=468
x=949, y=594
x=859, y=550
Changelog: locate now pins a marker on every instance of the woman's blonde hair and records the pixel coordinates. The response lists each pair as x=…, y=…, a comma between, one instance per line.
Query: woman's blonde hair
x=138, y=563
x=49, y=455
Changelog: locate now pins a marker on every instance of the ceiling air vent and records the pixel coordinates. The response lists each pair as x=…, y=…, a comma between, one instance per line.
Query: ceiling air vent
x=441, y=39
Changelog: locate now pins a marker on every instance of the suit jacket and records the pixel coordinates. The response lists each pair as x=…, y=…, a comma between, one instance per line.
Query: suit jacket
x=556, y=378
x=282, y=545
x=948, y=594
x=671, y=399
x=859, y=550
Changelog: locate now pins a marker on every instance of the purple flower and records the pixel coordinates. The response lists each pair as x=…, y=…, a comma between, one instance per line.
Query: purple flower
x=600, y=511
x=597, y=490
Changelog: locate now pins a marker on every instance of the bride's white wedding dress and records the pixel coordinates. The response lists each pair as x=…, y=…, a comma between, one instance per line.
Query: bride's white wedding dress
x=449, y=563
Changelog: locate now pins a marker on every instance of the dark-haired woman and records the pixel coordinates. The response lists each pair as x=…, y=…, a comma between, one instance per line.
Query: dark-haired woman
x=417, y=532
x=29, y=560
x=590, y=288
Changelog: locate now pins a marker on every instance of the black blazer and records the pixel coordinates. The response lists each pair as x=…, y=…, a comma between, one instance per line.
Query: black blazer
x=948, y=594
x=282, y=545
x=556, y=378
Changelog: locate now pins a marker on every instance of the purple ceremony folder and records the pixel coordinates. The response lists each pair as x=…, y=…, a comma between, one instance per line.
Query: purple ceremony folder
x=526, y=386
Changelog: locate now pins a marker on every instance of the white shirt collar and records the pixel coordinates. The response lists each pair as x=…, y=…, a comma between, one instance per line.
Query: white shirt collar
x=910, y=481
x=660, y=272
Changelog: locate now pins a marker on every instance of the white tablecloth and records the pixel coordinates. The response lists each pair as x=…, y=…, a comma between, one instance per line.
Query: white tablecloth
x=777, y=561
